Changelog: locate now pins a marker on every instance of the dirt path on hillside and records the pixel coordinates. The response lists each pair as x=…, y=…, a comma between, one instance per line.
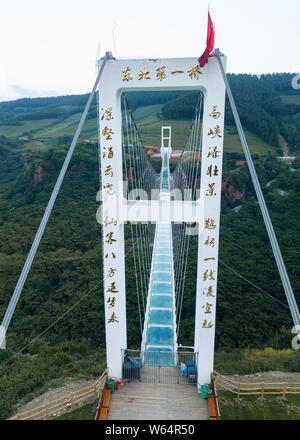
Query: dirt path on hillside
x=284, y=146
x=53, y=394
x=270, y=376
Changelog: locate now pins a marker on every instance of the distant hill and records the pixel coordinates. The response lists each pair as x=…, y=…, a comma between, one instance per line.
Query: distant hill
x=34, y=137
x=267, y=105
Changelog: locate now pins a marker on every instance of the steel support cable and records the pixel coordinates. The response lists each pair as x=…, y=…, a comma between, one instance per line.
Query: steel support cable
x=181, y=254
x=135, y=183
x=252, y=284
x=132, y=237
x=132, y=240
x=146, y=226
x=178, y=254
x=142, y=227
x=192, y=181
x=273, y=240
x=182, y=228
x=99, y=146
x=192, y=149
x=183, y=285
x=18, y=289
x=198, y=140
x=180, y=269
x=128, y=131
x=183, y=237
x=190, y=176
x=197, y=115
x=181, y=260
x=197, y=146
x=142, y=160
x=139, y=226
x=178, y=259
x=176, y=230
x=188, y=135
x=132, y=118
x=99, y=283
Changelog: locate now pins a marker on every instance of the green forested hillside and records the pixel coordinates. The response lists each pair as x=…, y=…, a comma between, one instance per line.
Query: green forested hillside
x=68, y=263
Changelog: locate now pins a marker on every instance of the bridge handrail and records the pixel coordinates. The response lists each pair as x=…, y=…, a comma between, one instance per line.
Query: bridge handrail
x=66, y=402
x=255, y=388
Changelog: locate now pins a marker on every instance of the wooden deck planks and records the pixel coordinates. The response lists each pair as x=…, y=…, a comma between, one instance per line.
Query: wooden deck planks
x=143, y=401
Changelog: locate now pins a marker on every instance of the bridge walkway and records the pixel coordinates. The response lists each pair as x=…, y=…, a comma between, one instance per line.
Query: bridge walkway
x=143, y=401
x=160, y=323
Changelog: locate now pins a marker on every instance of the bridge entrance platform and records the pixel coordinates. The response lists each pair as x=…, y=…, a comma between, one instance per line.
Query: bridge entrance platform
x=145, y=401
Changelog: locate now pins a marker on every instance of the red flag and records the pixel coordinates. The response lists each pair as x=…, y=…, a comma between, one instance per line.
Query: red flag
x=210, y=42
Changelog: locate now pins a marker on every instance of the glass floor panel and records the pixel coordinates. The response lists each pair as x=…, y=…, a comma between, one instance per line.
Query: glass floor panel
x=160, y=336
x=162, y=276
x=162, y=259
x=163, y=251
x=164, y=317
x=162, y=288
x=156, y=356
x=162, y=267
x=161, y=301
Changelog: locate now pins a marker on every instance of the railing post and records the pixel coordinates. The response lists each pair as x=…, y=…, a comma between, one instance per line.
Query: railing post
x=239, y=391
x=262, y=390
x=95, y=391
x=284, y=391
x=47, y=412
x=72, y=401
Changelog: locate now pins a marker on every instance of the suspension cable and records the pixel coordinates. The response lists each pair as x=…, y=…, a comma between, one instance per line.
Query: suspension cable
x=18, y=289
x=252, y=284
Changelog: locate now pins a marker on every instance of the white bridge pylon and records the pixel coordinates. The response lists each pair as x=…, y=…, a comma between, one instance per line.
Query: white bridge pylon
x=160, y=75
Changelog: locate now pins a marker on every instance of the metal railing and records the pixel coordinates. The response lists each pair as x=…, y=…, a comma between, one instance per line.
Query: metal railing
x=160, y=367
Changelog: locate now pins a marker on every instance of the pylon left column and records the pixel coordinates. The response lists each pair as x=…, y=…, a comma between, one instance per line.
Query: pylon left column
x=113, y=230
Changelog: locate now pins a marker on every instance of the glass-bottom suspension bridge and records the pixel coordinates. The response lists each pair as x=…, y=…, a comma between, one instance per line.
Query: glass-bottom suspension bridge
x=159, y=252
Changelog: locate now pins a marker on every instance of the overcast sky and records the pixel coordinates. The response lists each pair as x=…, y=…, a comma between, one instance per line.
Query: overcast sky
x=49, y=47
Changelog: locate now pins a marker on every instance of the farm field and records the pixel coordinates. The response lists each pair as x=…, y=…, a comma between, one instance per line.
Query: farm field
x=46, y=132
x=290, y=99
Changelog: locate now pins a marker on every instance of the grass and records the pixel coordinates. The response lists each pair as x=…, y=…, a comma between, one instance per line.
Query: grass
x=256, y=408
x=34, y=146
x=147, y=114
x=250, y=361
x=149, y=124
x=232, y=143
x=150, y=130
x=151, y=133
x=13, y=131
x=66, y=127
x=86, y=412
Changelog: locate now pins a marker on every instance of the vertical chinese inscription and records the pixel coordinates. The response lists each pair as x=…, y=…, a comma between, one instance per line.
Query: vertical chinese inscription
x=210, y=227
x=109, y=223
